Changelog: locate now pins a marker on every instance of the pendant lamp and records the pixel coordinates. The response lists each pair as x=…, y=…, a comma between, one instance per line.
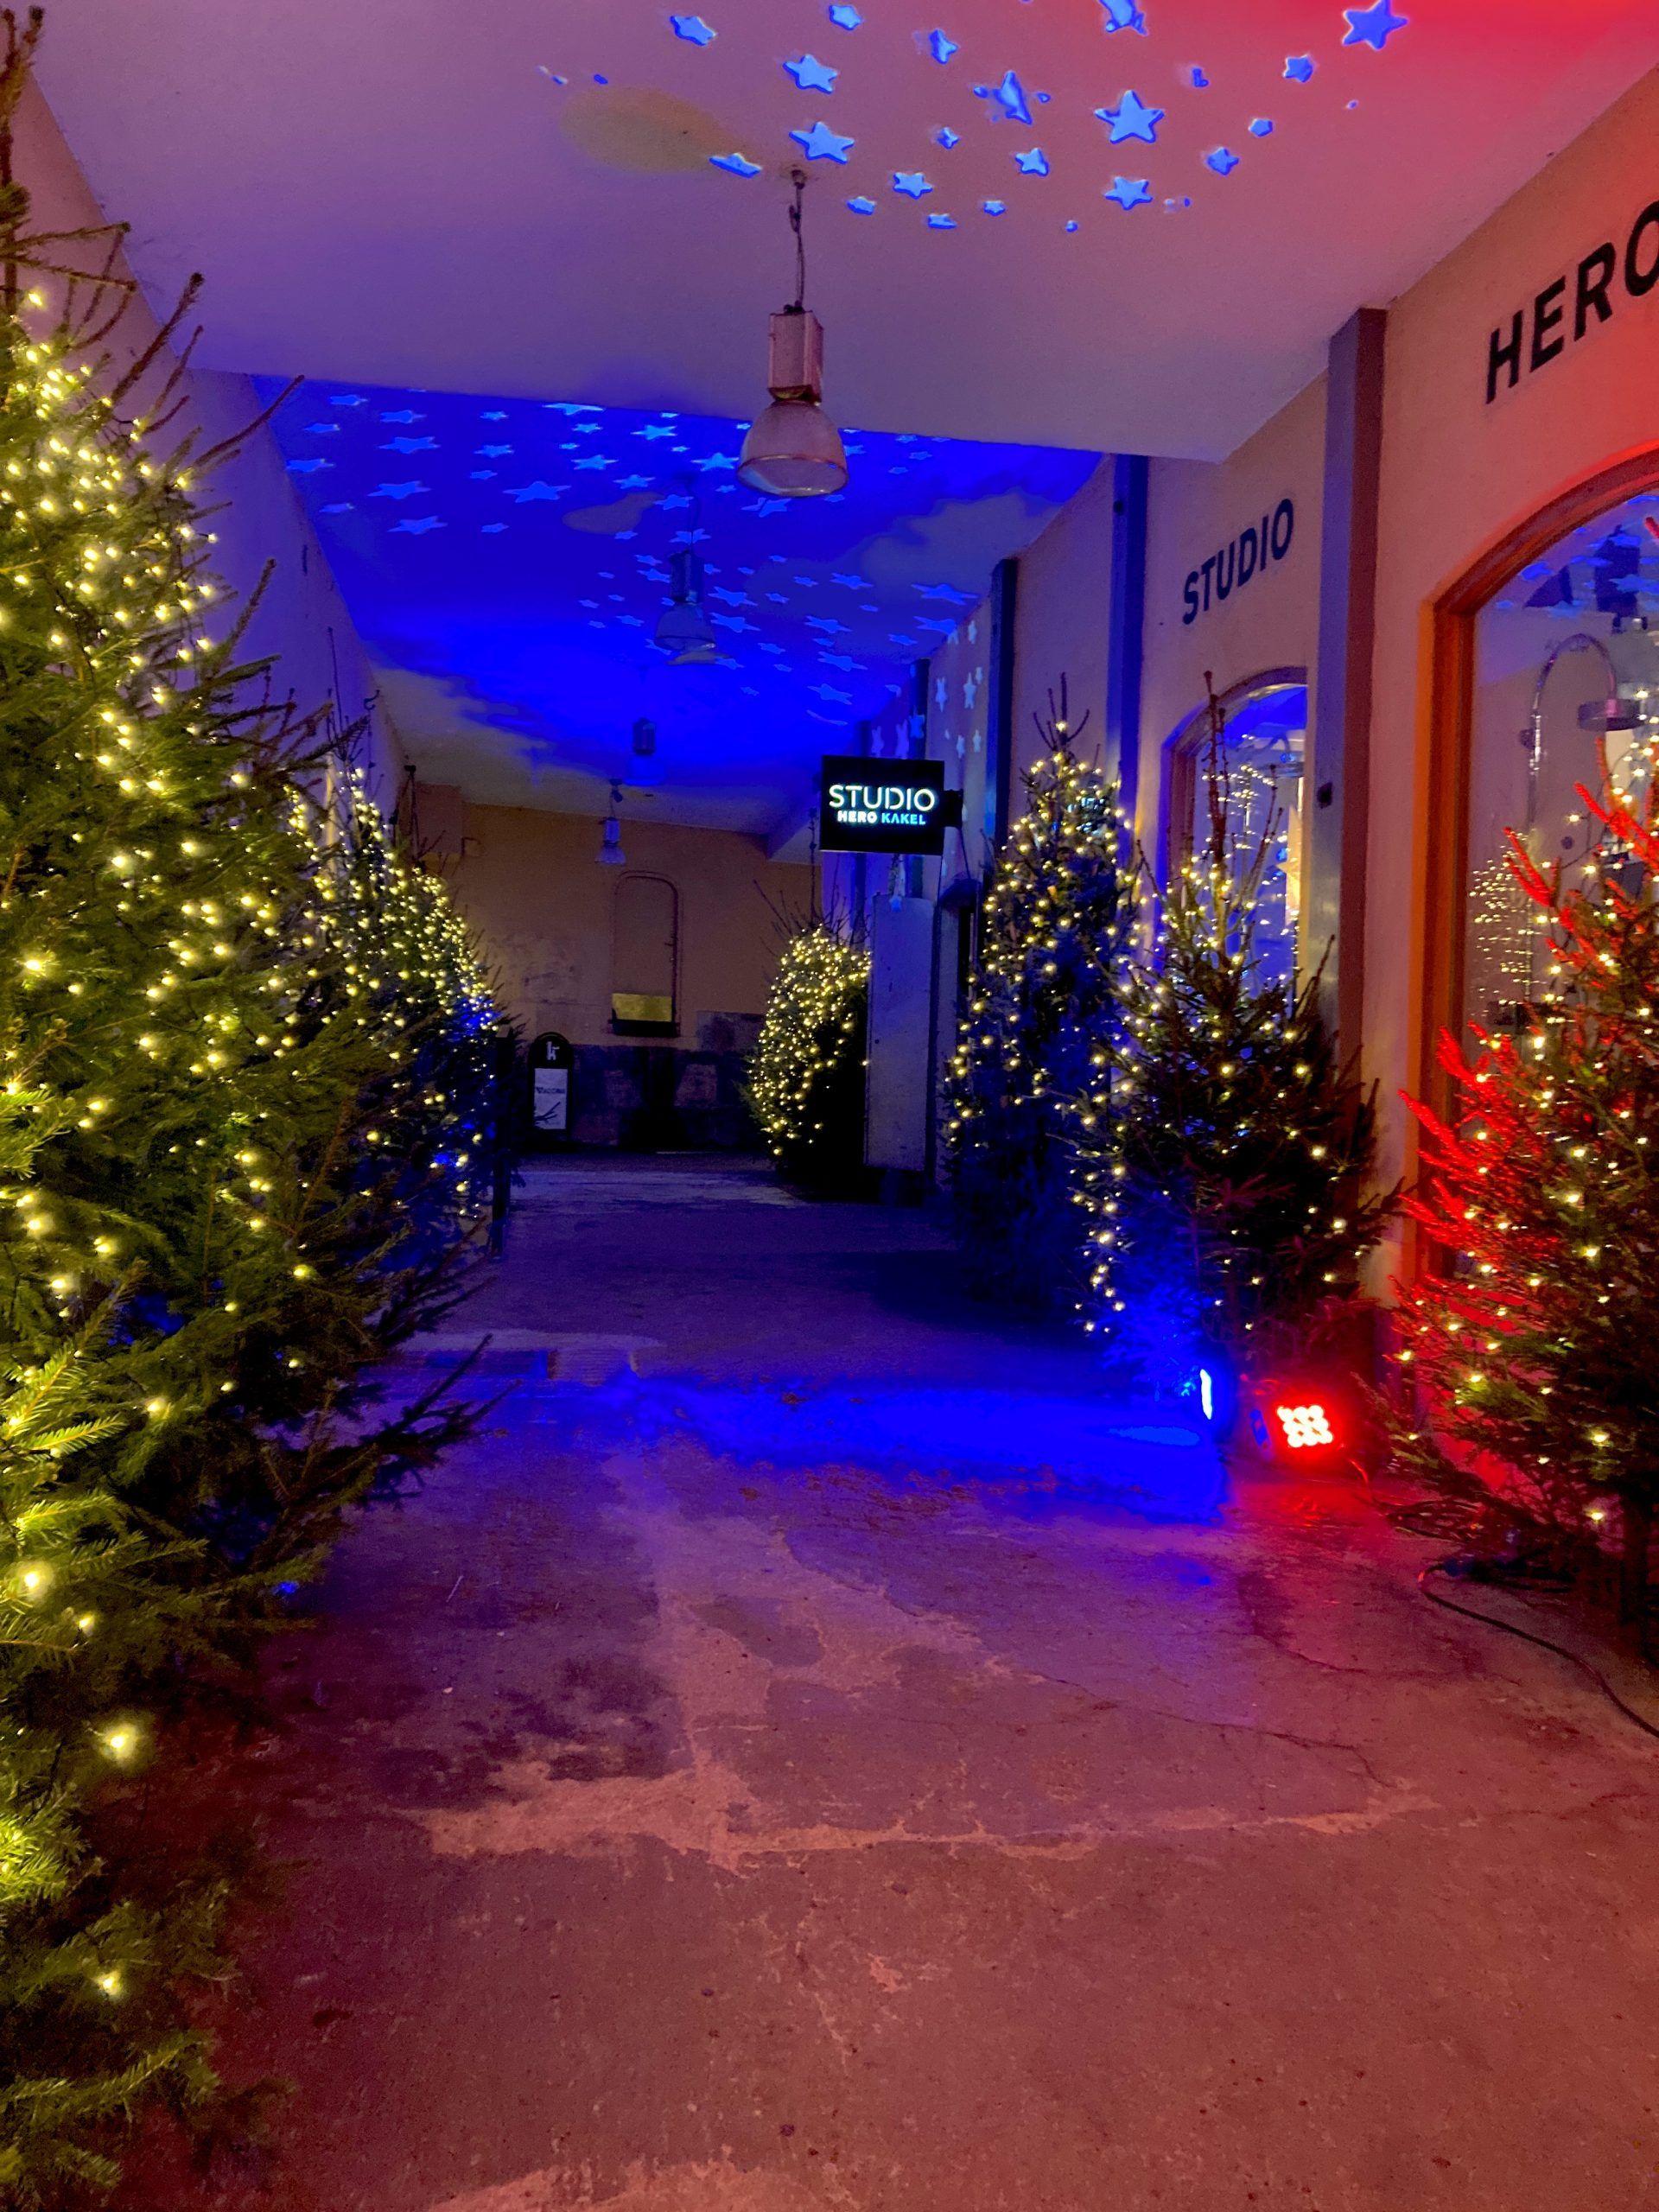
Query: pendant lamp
x=684, y=632
x=610, y=853
x=794, y=451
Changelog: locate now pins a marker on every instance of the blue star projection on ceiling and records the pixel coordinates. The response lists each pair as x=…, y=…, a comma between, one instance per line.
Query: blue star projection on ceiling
x=985, y=83
x=515, y=576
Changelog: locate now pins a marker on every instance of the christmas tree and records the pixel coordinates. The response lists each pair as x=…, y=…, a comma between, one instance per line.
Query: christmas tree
x=1231, y=1154
x=1530, y=1406
x=1039, y=1029
x=240, y=1047
x=806, y=1078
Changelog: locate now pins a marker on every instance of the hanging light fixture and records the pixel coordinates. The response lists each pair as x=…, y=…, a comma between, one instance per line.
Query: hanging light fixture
x=794, y=451
x=684, y=632
x=610, y=853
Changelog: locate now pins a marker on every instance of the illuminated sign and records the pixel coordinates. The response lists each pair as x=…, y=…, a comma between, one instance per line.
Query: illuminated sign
x=884, y=806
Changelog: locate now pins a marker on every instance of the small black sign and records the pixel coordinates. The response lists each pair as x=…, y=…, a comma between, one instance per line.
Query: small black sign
x=884, y=806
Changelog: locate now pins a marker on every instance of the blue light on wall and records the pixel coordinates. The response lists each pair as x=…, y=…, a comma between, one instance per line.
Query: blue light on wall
x=516, y=568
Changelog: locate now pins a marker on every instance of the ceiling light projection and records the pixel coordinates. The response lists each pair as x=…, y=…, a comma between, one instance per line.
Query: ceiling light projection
x=794, y=451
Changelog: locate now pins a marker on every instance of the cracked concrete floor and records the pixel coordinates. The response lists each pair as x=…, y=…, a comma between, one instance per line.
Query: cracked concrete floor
x=685, y=1812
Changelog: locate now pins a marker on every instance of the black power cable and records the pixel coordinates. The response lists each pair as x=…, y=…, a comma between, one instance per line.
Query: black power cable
x=1526, y=1634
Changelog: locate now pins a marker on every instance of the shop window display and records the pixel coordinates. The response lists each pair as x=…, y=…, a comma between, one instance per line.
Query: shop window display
x=1567, y=696
x=1259, y=774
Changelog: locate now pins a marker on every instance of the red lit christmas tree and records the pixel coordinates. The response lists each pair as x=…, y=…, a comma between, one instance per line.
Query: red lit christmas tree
x=1534, y=1412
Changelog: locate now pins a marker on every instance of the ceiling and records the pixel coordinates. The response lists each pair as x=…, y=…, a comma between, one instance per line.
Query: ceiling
x=524, y=198
x=505, y=562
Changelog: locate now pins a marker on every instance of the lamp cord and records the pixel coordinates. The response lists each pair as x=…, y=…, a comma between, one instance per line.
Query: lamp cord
x=799, y=177
x=1491, y=1620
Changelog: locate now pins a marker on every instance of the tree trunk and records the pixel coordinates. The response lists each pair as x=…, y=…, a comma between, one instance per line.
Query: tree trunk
x=1633, y=1571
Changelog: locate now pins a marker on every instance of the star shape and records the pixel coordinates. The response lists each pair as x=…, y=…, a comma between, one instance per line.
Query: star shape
x=713, y=461
x=492, y=452
x=414, y=529
x=844, y=16
x=828, y=694
x=1300, y=67
x=1262, y=128
x=1223, y=160
x=1123, y=15
x=946, y=138
x=941, y=46
x=732, y=621
x=970, y=685
x=994, y=207
x=348, y=399
x=941, y=222
x=1034, y=164
x=1130, y=192
x=766, y=507
x=1373, y=26
x=401, y=414
x=853, y=583
x=860, y=206
x=811, y=74
x=1009, y=97
x=307, y=467
x=1132, y=118
x=693, y=30
x=410, y=445
x=398, y=491
x=731, y=598
x=653, y=431
x=838, y=660
x=481, y=476
x=323, y=429
x=525, y=493
x=737, y=164
x=596, y=461
x=494, y=415
x=633, y=484
x=911, y=182
x=821, y=143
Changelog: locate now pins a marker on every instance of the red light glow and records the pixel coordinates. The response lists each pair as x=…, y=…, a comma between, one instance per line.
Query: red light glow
x=1306, y=1428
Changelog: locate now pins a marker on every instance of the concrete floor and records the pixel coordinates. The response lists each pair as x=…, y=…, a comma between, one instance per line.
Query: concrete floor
x=849, y=1766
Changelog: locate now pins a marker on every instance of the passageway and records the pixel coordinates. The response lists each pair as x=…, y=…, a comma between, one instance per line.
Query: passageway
x=810, y=1752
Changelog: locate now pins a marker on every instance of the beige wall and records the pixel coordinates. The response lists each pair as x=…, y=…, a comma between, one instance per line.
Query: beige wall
x=530, y=884
x=1062, y=620
x=1195, y=509
x=1458, y=474
x=301, y=619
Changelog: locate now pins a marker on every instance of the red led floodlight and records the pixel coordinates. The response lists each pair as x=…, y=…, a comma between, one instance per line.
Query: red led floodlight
x=1306, y=1428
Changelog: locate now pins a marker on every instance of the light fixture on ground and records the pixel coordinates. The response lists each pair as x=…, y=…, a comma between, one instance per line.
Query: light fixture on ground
x=794, y=451
x=610, y=853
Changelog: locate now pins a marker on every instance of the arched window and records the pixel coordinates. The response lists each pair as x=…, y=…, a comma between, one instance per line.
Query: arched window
x=646, y=957
x=1565, y=692
x=1263, y=743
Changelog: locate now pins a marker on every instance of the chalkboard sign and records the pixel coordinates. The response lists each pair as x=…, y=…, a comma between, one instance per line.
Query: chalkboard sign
x=551, y=1059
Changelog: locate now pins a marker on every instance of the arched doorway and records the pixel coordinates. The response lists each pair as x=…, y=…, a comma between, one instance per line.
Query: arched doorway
x=1258, y=771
